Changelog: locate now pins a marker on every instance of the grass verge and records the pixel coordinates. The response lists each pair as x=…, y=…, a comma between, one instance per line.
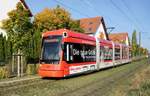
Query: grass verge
x=136, y=85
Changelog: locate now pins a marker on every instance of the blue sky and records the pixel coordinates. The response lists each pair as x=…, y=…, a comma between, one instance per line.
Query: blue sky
x=124, y=15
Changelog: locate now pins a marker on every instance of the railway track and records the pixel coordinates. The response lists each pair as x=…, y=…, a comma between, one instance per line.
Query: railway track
x=99, y=89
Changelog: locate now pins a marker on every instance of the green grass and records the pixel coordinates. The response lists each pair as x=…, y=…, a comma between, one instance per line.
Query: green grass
x=136, y=85
x=143, y=88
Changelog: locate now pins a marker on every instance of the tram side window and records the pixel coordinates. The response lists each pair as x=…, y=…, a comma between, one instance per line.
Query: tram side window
x=124, y=53
x=67, y=52
x=117, y=53
x=130, y=55
x=106, y=53
x=101, y=52
x=109, y=54
x=77, y=53
x=89, y=53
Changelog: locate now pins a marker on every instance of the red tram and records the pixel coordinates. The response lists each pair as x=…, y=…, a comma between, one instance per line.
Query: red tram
x=66, y=53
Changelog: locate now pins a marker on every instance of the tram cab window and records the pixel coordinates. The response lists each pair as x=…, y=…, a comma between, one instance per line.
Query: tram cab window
x=51, y=49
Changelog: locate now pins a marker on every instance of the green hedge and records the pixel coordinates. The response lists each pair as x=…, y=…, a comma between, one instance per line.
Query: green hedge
x=4, y=72
x=32, y=69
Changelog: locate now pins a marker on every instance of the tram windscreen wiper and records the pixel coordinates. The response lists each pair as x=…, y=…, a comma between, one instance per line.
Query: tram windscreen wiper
x=49, y=61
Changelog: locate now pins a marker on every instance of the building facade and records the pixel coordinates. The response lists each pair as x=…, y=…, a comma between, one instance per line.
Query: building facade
x=121, y=37
x=95, y=27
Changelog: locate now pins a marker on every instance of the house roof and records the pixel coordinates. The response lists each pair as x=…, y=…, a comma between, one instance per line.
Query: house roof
x=118, y=37
x=26, y=6
x=90, y=25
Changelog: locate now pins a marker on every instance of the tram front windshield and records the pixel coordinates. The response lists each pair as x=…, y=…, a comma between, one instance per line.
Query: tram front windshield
x=51, y=47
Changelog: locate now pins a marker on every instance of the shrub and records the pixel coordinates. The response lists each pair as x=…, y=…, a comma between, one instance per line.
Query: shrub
x=3, y=72
x=32, y=69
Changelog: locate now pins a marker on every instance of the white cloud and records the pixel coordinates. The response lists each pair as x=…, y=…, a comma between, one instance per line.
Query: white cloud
x=6, y=6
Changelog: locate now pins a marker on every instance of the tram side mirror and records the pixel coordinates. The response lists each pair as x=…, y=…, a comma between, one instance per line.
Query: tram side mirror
x=40, y=60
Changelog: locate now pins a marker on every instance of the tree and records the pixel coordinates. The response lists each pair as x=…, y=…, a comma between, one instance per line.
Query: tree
x=1, y=48
x=56, y=18
x=134, y=44
x=75, y=25
x=143, y=51
x=34, y=47
x=18, y=27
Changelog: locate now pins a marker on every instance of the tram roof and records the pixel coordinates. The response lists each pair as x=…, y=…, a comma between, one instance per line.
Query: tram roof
x=69, y=33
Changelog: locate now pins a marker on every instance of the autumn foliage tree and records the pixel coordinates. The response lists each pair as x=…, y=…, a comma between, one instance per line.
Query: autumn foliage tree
x=18, y=27
x=136, y=49
x=56, y=18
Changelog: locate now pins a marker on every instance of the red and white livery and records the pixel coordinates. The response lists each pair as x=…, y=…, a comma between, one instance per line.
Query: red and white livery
x=66, y=53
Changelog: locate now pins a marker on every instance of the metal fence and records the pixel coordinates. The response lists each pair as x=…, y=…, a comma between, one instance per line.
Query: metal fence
x=16, y=65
